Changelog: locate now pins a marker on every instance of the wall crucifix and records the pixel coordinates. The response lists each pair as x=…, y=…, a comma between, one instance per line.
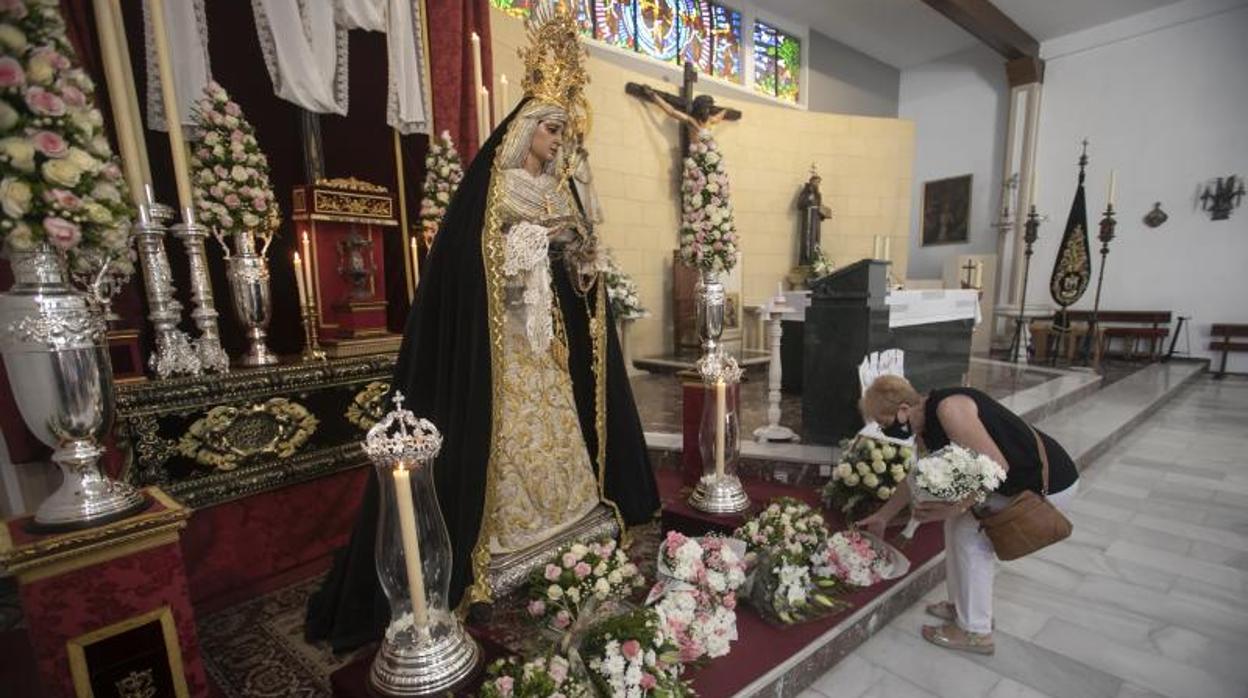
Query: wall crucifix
x=695, y=112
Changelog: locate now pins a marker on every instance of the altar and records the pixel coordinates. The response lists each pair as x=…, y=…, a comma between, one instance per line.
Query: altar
x=851, y=313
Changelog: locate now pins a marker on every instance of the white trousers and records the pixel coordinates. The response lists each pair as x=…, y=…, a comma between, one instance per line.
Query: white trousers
x=970, y=562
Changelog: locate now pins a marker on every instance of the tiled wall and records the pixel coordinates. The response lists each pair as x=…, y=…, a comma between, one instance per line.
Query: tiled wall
x=865, y=163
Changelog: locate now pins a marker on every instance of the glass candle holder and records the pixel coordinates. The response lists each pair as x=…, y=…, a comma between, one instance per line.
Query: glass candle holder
x=425, y=650
x=719, y=439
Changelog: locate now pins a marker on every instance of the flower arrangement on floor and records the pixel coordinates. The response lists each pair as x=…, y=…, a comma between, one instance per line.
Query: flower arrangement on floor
x=782, y=540
x=579, y=580
x=696, y=593
x=60, y=183
x=869, y=471
x=708, y=236
x=622, y=293
x=629, y=655
x=543, y=677
x=230, y=174
x=443, y=173
x=853, y=558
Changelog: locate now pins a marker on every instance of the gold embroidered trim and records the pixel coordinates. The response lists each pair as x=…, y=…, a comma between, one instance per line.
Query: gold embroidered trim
x=598, y=333
x=492, y=260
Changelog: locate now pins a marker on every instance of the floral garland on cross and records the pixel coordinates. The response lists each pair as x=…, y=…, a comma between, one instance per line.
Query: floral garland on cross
x=708, y=235
x=60, y=183
x=443, y=173
x=230, y=173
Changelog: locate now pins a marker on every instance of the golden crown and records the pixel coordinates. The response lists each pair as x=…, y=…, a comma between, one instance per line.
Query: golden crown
x=554, y=69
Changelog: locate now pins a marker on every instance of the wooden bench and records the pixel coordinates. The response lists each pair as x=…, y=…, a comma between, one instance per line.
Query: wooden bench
x=1130, y=326
x=1223, y=333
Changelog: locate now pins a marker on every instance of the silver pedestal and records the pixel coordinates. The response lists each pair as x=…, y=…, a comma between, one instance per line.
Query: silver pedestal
x=426, y=666
x=719, y=495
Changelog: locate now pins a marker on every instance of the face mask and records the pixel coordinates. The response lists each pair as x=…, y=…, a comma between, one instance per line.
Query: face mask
x=897, y=430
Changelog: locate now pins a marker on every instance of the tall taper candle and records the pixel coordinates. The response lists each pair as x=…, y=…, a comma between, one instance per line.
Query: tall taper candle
x=411, y=545
x=173, y=115
x=721, y=409
x=503, y=101
x=309, y=275
x=1113, y=185
x=131, y=94
x=415, y=263
x=300, y=282
x=114, y=72
x=888, y=249
x=477, y=84
x=485, y=107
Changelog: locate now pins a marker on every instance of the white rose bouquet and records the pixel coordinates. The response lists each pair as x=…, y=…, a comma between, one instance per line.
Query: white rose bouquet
x=869, y=471
x=60, y=183
x=579, y=580
x=630, y=655
x=443, y=173
x=954, y=473
x=622, y=292
x=229, y=172
x=708, y=235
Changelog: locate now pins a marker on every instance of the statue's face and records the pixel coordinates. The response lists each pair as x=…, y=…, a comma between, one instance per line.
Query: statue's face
x=547, y=139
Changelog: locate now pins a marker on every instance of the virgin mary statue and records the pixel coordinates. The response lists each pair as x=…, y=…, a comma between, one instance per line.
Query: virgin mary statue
x=511, y=351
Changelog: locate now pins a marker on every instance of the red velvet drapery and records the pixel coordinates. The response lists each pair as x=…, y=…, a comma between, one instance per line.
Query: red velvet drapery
x=358, y=145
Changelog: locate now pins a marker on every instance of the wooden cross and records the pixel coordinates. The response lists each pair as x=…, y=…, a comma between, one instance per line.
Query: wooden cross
x=969, y=268
x=683, y=104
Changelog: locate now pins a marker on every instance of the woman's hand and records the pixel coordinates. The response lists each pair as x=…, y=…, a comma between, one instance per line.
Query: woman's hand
x=941, y=511
x=875, y=524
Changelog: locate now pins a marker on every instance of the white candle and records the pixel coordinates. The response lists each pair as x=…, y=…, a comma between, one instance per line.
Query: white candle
x=173, y=116
x=1113, y=186
x=721, y=410
x=1034, y=184
x=300, y=282
x=979, y=274
x=309, y=276
x=888, y=249
x=411, y=545
x=115, y=73
x=502, y=96
x=779, y=289
x=485, y=107
x=477, y=84
x=415, y=262
x=875, y=247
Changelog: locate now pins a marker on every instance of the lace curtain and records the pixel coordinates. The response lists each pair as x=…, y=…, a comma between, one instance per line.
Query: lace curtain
x=187, y=29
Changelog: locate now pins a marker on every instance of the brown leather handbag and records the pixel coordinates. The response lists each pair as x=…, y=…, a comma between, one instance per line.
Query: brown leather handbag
x=1030, y=521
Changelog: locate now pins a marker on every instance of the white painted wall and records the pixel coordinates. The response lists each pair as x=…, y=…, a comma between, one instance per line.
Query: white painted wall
x=1164, y=102
x=1162, y=97
x=959, y=105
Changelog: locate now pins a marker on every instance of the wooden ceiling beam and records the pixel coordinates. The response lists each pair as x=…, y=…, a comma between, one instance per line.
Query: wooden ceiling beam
x=984, y=21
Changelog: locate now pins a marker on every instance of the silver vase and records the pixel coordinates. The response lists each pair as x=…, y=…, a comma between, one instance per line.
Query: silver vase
x=253, y=301
x=56, y=354
x=710, y=295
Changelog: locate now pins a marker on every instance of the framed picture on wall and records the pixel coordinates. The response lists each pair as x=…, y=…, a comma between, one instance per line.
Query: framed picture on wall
x=946, y=210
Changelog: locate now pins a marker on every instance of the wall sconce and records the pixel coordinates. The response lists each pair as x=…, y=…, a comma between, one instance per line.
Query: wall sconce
x=1223, y=198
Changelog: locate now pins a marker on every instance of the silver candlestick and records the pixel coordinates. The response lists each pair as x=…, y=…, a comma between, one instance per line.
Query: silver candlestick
x=208, y=347
x=174, y=354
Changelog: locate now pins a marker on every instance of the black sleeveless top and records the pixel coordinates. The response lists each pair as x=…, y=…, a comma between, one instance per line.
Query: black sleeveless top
x=1012, y=436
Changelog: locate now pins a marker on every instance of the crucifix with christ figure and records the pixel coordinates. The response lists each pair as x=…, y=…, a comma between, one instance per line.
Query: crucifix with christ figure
x=695, y=112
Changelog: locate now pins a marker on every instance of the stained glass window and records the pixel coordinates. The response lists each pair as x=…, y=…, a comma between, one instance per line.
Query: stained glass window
x=726, y=44
x=615, y=22
x=702, y=32
x=777, y=62
x=515, y=8
x=657, y=29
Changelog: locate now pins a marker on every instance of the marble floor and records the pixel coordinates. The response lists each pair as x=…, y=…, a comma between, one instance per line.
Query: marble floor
x=1148, y=598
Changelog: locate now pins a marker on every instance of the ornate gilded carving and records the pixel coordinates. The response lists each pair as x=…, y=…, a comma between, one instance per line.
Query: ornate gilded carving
x=229, y=436
x=351, y=184
x=362, y=207
x=368, y=406
x=137, y=684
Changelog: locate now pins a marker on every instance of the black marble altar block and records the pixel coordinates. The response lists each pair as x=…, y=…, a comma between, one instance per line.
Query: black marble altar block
x=848, y=319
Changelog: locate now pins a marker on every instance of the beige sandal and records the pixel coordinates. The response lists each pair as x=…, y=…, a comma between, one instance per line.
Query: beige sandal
x=950, y=636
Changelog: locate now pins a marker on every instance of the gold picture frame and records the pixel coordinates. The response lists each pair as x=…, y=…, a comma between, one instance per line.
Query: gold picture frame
x=77, y=649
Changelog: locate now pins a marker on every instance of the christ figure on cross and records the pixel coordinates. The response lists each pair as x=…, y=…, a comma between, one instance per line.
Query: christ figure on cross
x=697, y=114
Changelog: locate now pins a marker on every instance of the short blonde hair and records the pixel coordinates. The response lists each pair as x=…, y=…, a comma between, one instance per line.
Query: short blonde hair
x=884, y=396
